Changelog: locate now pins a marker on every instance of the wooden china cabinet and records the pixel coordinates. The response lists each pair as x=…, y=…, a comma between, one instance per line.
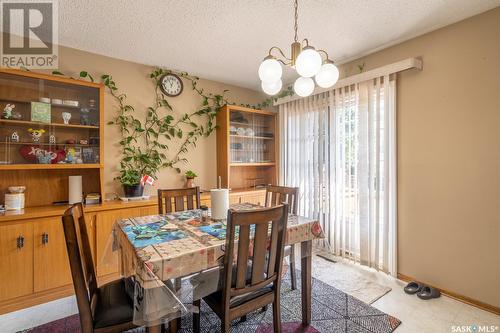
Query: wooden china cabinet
x=50, y=128
x=247, y=151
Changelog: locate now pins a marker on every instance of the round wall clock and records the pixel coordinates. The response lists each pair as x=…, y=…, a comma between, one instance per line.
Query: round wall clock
x=171, y=85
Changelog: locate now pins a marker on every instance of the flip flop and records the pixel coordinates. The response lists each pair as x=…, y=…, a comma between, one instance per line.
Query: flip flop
x=428, y=293
x=413, y=288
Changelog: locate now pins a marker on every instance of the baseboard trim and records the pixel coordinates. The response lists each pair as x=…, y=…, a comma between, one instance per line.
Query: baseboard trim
x=458, y=297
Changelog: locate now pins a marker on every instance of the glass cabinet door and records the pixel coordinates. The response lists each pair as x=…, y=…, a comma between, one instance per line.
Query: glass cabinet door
x=48, y=122
x=251, y=138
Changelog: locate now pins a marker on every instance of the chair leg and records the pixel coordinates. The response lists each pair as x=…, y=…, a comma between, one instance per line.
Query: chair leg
x=196, y=317
x=293, y=272
x=225, y=325
x=177, y=287
x=276, y=317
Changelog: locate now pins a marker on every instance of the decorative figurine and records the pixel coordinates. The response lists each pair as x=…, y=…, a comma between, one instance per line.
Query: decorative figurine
x=66, y=117
x=36, y=134
x=70, y=155
x=15, y=137
x=7, y=111
x=52, y=139
x=44, y=157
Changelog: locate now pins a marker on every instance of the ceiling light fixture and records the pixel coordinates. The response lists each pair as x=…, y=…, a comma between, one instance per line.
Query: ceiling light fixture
x=306, y=60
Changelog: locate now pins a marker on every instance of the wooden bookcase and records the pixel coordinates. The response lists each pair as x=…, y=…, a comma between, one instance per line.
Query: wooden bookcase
x=247, y=147
x=41, y=103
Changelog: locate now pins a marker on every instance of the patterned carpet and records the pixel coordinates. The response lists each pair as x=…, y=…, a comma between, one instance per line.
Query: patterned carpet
x=332, y=311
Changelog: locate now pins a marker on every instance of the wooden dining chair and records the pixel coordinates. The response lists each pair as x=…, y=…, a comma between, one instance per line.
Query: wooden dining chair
x=250, y=284
x=174, y=200
x=104, y=309
x=276, y=195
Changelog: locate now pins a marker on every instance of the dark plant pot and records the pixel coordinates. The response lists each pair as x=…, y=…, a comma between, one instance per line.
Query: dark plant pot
x=133, y=190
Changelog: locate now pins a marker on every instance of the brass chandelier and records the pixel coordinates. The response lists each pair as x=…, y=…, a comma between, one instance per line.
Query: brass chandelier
x=305, y=59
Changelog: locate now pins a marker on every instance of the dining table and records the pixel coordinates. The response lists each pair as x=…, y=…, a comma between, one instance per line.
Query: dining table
x=175, y=258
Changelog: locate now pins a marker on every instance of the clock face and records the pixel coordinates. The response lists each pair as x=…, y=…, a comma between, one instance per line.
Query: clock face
x=171, y=85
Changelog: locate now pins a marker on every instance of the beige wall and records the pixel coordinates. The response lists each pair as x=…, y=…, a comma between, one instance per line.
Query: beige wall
x=449, y=156
x=131, y=78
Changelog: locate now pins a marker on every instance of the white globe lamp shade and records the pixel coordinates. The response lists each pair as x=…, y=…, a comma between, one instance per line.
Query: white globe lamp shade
x=308, y=62
x=303, y=86
x=271, y=88
x=270, y=70
x=327, y=76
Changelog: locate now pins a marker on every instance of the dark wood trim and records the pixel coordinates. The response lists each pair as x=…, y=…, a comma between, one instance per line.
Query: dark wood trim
x=458, y=297
x=306, y=269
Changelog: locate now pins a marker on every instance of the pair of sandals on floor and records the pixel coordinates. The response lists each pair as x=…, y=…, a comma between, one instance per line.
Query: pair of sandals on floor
x=423, y=292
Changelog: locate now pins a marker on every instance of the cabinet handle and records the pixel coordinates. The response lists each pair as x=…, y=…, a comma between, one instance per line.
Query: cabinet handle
x=45, y=238
x=20, y=242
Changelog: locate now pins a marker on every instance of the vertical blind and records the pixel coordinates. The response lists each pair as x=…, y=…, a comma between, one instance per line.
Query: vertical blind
x=339, y=148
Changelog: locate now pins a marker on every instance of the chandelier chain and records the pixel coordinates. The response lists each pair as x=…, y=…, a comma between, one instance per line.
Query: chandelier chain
x=296, y=27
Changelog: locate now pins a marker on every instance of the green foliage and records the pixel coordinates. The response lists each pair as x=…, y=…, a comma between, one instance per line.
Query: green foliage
x=288, y=91
x=129, y=177
x=190, y=174
x=145, y=140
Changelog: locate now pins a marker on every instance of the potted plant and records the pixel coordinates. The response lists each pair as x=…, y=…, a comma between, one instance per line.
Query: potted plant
x=190, y=176
x=131, y=182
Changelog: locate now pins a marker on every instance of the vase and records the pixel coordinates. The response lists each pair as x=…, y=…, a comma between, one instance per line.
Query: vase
x=133, y=190
x=190, y=183
x=66, y=116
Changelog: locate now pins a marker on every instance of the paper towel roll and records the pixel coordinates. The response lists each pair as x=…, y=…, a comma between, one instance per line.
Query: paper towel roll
x=220, y=203
x=75, y=189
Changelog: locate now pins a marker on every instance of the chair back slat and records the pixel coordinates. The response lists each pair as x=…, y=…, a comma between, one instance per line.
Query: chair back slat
x=273, y=251
x=243, y=249
x=81, y=264
x=179, y=197
x=266, y=248
x=190, y=203
x=276, y=195
x=179, y=204
x=259, y=252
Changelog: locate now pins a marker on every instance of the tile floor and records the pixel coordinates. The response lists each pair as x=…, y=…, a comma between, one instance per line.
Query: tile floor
x=435, y=316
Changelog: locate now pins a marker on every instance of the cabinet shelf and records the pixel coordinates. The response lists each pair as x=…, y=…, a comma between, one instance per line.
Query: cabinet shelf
x=245, y=164
x=251, y=137
x=48, y=166
x=36, y=123
x=52, y=105
x=247, y=124
x=46, y=144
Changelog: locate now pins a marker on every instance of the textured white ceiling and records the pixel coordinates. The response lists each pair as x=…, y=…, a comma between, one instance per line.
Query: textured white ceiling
x=225, y=40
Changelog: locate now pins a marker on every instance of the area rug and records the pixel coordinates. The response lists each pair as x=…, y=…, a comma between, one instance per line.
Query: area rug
x=332, y=311
x=350, y=278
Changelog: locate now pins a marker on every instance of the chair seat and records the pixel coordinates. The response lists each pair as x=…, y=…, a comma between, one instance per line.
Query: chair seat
x=114, y=305
x=216, y=298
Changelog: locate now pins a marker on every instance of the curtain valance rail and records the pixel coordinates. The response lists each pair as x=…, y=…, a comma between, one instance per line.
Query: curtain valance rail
x=403, y=65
